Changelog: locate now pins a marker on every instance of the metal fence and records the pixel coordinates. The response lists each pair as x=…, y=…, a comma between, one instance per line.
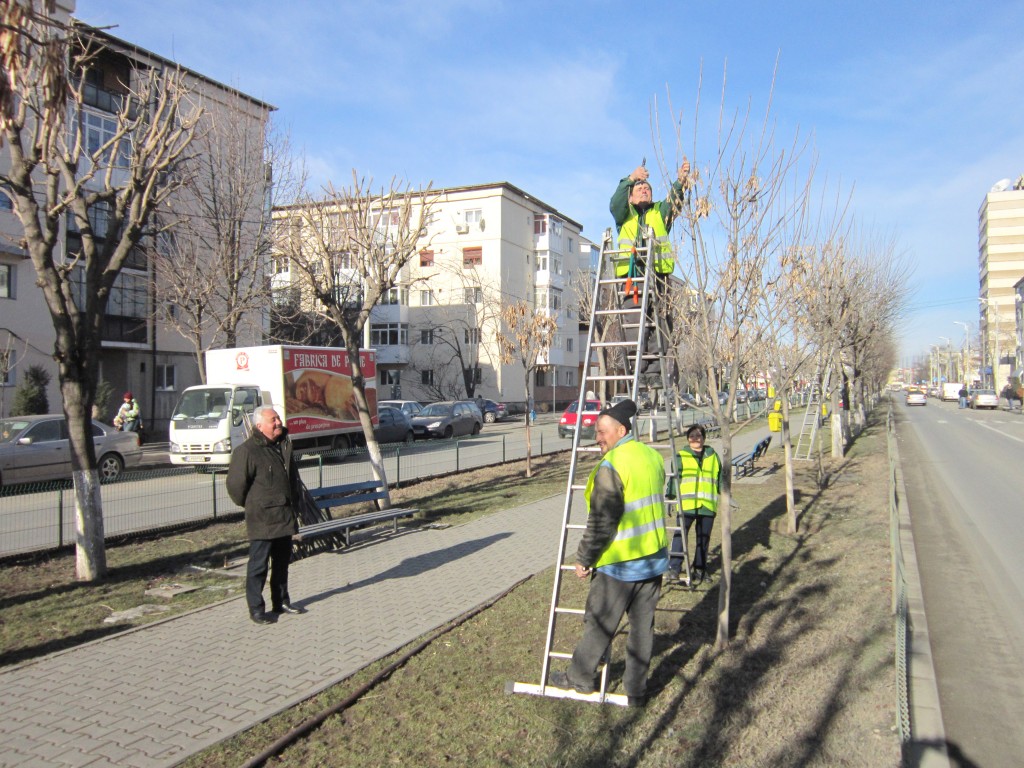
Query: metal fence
x=41, y=517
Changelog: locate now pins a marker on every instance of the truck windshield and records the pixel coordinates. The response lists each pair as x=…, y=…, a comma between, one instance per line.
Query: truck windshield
x=203, y=404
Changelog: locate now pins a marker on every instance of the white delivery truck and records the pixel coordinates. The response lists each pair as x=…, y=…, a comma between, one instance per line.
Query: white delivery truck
x=310, y=387
x=950, y=391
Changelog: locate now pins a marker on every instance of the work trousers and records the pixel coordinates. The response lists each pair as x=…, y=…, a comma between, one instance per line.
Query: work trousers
x=700, y=552
x=607, y=601
x=264, y=554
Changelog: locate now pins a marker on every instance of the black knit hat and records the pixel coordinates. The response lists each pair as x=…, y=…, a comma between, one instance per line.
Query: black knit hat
x=622, y=412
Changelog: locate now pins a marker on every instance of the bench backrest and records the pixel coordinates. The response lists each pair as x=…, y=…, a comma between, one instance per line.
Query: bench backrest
x=352, y=493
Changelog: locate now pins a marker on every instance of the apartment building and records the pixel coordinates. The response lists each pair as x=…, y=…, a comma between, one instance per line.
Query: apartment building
x=485, y=247
x=140, y=352
x=1000, y=268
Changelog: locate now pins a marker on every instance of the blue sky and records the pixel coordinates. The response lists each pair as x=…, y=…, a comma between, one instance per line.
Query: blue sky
x=915, y=107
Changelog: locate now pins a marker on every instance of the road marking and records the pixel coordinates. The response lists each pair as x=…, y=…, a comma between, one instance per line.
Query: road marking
x=1000, y=432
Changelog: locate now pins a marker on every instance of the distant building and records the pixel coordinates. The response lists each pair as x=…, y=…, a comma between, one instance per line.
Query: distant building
x=139, y=353
x=1000, y=269
x=436, y=336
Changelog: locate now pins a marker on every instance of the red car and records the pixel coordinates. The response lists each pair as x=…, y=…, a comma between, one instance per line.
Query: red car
x=567, y=424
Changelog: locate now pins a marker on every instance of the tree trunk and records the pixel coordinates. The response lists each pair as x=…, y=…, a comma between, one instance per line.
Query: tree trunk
x=529, y=411
x=366, y=422
x=725, y=520
x=787, y=447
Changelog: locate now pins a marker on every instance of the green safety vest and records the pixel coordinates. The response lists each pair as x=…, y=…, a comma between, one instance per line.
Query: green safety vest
x=698, y=482
x=629, y=235
x=641, y=530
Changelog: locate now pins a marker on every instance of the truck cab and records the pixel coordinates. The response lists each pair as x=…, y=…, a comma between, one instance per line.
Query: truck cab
x=209, y=421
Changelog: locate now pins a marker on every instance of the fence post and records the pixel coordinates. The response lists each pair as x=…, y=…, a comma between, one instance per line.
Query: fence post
x=213, y=485
x=60, y=517
x=457, y=441
x=398, y=466
x=541, y=443
x=503, y=448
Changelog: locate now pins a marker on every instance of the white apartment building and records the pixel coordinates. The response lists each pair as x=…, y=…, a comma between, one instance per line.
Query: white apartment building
x=139, y=353
x=1000, y=268
x=486, y=246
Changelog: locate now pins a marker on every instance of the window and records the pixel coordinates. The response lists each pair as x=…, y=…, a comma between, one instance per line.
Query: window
x=556, y=299
x=474, y=216
x=6, y=204
x=427, y=336
x=568, y=344
x=474, y=296
x=98, y=131
x=570, y=377
x=473, y=375
x=389, y=334
x=472, y=257
x=165, y=378
x=426, y=298
x=6, y=281
x=6, y=370
x=472, y=335
x=396, y=296
x=556, y=264
x=427, y=378
x=540, y=225
x=426, y=258
x=542, y=261
x=388, y=377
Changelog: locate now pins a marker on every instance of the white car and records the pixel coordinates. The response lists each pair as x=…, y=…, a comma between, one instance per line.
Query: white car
x=984, y=398
x=916, y=397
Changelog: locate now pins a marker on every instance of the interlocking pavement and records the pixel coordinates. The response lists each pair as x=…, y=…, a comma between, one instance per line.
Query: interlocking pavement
x=155, y=695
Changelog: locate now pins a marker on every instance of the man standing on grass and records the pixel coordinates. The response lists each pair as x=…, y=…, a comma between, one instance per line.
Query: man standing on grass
x=264, y=479
x=623, y=552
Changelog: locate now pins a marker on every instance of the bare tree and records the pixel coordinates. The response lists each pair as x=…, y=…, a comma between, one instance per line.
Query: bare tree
x=211, y=281
x=732, y=222
x=349, y=248
x=526, y=340
x=106, y=188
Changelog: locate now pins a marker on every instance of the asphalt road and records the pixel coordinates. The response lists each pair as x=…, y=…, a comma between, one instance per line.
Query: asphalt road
x=965, y=482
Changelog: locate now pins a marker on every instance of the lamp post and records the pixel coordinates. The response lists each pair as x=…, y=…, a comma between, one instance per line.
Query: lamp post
x=967, y=345
x=991, y=304
x=949, y=358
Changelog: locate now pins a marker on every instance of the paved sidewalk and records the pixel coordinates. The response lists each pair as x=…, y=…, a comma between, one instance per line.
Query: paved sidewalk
x=155, y=695
x=158, y=694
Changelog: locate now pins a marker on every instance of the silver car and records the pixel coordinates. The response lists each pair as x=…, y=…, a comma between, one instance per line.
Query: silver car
x=36, y=449
x=984, y=398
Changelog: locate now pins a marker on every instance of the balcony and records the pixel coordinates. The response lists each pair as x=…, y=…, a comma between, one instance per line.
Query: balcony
x=397, y=354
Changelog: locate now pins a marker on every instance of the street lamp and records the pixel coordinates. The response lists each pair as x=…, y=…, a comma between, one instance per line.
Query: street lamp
x=967, y=355
x=989, y=304
x=949, y=358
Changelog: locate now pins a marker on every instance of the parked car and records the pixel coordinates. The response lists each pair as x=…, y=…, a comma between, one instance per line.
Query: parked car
x=393, y=426
x=916, y=397
x=494, y=411
x=36, y=449
x=984, y=398
x=409, y=407
x=448, y=419
x=567, y=424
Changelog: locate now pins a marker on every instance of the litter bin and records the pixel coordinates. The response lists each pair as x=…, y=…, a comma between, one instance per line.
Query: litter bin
x=774, y=421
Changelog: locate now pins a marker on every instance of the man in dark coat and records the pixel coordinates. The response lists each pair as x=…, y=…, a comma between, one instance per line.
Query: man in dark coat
x=263, y=479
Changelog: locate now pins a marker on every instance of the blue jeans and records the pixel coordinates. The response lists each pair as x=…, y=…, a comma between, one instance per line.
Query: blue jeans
x=963, y=402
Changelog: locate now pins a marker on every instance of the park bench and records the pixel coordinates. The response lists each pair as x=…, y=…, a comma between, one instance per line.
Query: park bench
x=317, y=526
x=743, y=464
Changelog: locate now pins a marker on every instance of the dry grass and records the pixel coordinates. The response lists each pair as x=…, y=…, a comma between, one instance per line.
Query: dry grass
x=808, y=679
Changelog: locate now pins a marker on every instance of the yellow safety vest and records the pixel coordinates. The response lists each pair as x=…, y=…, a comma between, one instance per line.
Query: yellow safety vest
x=698, y=482
x=641, y=530
x=629, y=235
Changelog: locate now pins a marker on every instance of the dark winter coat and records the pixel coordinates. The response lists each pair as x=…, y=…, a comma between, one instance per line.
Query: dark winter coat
x=264, y=481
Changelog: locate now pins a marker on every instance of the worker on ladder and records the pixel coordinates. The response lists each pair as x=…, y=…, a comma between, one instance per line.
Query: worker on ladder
x=633, y=207
x=623, y=552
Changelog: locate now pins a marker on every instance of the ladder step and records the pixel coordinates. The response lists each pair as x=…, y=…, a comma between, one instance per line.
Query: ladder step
x=559, y=655
x=578, y=487
x=575, y=527
x=605, y=344
x=617, y=311
x=570, y=611
x=589, y=449
x=609, y=378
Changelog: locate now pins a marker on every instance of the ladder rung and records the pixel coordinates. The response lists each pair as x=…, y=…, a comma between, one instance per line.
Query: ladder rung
x=609, y=378
x=617, y=311
x=604, y=344
x=578, y=487
x=575, y=527
x=571, y=611
x=589, y=449
x=559, y=655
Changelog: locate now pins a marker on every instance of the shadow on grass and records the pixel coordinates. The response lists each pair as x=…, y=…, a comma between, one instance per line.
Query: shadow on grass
x=743, y=668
